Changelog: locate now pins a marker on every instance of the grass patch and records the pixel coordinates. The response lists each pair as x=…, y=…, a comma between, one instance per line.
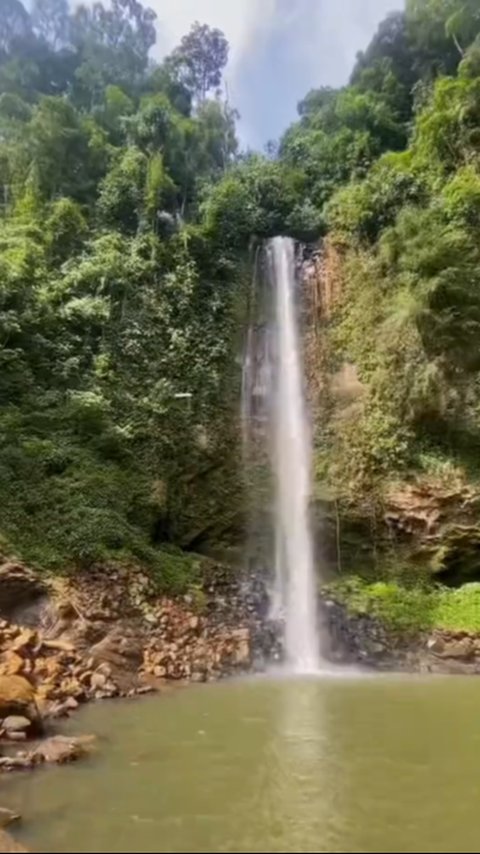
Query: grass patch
x=411, y=609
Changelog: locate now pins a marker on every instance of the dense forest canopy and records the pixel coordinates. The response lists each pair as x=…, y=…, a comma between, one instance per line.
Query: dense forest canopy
x=127, y=212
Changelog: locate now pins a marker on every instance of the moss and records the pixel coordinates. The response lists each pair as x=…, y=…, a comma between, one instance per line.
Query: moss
x=411, y=609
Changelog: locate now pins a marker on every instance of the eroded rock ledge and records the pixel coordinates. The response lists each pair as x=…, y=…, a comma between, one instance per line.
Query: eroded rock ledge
x=365, y=640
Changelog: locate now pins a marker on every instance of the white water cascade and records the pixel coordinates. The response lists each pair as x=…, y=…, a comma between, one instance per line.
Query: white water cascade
x=273, y=389
x=292, y=462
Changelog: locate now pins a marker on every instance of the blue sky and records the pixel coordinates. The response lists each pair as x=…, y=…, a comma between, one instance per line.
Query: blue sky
x=279, y=50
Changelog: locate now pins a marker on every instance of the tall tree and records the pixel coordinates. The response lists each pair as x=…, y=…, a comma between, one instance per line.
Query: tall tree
x=50, y=20
x=15, y=25
x=200, y=59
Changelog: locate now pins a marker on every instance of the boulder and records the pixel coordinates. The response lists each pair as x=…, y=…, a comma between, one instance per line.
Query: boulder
x=120, y=651
x=11, y=663
x=17, y=697
x=26, y=639
x=461, y=648
x=16, y=724
x=11, y=763
x=60, y=749
x=62, y=709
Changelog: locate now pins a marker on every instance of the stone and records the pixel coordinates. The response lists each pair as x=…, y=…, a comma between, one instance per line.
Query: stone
x=60, y=749
x=98, y=681
x=104, y=668
x=460, y=648
x=17, y=697
x=124, y=653
x=10, y=763
x=61, y=646
x=25, y=639
x=12, y=664
x=50, y=667
x=16, y=723
x=242, y=652
x=71, y=687
x=436, y=645
x=63, y=709
x=159, y=671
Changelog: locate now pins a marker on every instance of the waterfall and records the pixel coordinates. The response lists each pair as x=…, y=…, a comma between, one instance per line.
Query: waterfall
x=273, y=395
x=292, y=466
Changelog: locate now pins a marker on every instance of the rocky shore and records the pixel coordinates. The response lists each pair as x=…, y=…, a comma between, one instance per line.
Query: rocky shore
x=107, y=633
x=355, y=638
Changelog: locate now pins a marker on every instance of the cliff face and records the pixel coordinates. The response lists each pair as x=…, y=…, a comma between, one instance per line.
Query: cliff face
x=381, y=518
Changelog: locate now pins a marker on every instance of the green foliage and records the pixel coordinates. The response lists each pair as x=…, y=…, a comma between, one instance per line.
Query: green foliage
x=117, y=341
x=122, y=192
x=66, y=230
x=412, y=609
x=126, y=215
x=200, y=59
x=362, y=209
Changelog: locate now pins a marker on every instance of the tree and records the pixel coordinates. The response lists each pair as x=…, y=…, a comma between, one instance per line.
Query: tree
x=114, y=44
x=120, y=202
x=50, y=20
x=200, y=59
x=440, y=31
x=15, y=26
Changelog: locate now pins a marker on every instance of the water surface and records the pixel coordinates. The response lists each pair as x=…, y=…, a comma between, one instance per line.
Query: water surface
x=296, y=765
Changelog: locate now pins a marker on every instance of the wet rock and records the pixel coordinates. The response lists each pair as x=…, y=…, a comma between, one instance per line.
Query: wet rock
x=119, y=651
x=63, y=709
x=60, y=749
x=11, y=763
x=11, y=664
x=71, y=687
x=460, y=648
x=436, y=645
x=15, y=724
x=98, y=680
x=17, y=697
x=26, y=638
x=59, y=645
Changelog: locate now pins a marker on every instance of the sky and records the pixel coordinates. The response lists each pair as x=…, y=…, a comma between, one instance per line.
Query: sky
x=279, y=50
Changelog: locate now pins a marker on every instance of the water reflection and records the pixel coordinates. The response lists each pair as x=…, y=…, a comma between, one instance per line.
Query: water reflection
x=301, y=739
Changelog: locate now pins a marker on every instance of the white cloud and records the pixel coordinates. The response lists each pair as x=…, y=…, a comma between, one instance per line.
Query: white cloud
x=236, y=19
x=278, y=48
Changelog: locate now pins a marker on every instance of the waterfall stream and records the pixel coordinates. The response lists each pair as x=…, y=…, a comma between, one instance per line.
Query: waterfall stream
x=273, y=394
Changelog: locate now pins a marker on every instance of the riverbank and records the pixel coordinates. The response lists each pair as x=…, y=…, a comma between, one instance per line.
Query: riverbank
x=389, y=627
x=108, y=633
